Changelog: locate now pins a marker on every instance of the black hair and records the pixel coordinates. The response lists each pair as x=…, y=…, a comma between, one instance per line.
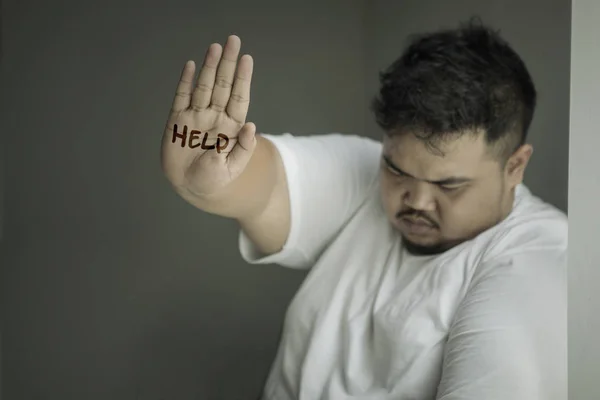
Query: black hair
x=456, y=81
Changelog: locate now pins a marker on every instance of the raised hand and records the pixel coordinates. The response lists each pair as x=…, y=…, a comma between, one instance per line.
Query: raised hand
x=206, y=142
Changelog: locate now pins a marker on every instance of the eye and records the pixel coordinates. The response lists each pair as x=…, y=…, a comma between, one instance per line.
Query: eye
x=448, y=188
x=393, y=171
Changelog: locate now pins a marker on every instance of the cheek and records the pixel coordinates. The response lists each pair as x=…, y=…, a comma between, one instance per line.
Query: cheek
x=466, y=213
x=390, y=195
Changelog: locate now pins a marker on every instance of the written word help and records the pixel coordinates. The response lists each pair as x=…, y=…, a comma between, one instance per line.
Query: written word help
x=194, y=134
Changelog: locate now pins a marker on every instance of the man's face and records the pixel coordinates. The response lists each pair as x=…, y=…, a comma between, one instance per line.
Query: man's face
x=437, y=202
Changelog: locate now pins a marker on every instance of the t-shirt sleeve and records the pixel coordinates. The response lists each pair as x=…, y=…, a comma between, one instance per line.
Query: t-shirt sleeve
x=329, y=177
x=509, y=335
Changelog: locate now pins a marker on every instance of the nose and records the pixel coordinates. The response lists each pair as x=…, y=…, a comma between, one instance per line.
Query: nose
x=419, y=196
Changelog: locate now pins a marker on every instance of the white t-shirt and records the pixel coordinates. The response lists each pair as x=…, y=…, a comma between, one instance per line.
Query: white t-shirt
x=485, y=320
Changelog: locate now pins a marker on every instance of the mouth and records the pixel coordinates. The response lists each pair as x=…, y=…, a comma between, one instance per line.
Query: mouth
x=416, y=227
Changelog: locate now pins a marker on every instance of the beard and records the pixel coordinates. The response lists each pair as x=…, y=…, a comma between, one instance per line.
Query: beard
x=423, y=250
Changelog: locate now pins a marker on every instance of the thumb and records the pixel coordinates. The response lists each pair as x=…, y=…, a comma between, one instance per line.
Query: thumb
x=243, y=149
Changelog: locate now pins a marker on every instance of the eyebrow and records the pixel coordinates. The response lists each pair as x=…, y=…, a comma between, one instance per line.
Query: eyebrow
x=454, y=180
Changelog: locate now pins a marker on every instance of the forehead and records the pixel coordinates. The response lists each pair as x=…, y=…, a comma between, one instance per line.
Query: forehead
x=465, y=155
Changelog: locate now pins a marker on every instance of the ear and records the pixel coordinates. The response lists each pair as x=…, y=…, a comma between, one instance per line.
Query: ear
x=516, y=164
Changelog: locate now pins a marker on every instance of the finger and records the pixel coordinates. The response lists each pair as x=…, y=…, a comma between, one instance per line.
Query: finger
x=225, y=72
x=239, y=156
x=184, y=88
x=206, y=78
x=239, y=101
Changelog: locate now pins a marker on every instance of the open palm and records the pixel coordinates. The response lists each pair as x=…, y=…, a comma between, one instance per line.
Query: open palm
x=206, y=142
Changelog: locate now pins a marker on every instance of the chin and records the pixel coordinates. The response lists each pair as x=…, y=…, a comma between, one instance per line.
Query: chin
x=422, y=247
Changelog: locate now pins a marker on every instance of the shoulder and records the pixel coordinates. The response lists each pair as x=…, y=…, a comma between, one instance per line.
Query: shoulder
x=534, y=227
x=527, y=249
x=335, y=144
x=336, y=159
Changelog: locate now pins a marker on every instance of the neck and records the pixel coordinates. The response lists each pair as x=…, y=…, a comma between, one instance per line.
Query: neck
x=507, y=205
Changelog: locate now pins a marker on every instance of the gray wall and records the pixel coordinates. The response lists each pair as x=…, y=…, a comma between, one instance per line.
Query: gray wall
x=584, y=192
x=112, y=286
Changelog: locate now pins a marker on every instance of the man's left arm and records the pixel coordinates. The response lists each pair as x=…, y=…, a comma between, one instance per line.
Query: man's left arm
x=508, y=339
